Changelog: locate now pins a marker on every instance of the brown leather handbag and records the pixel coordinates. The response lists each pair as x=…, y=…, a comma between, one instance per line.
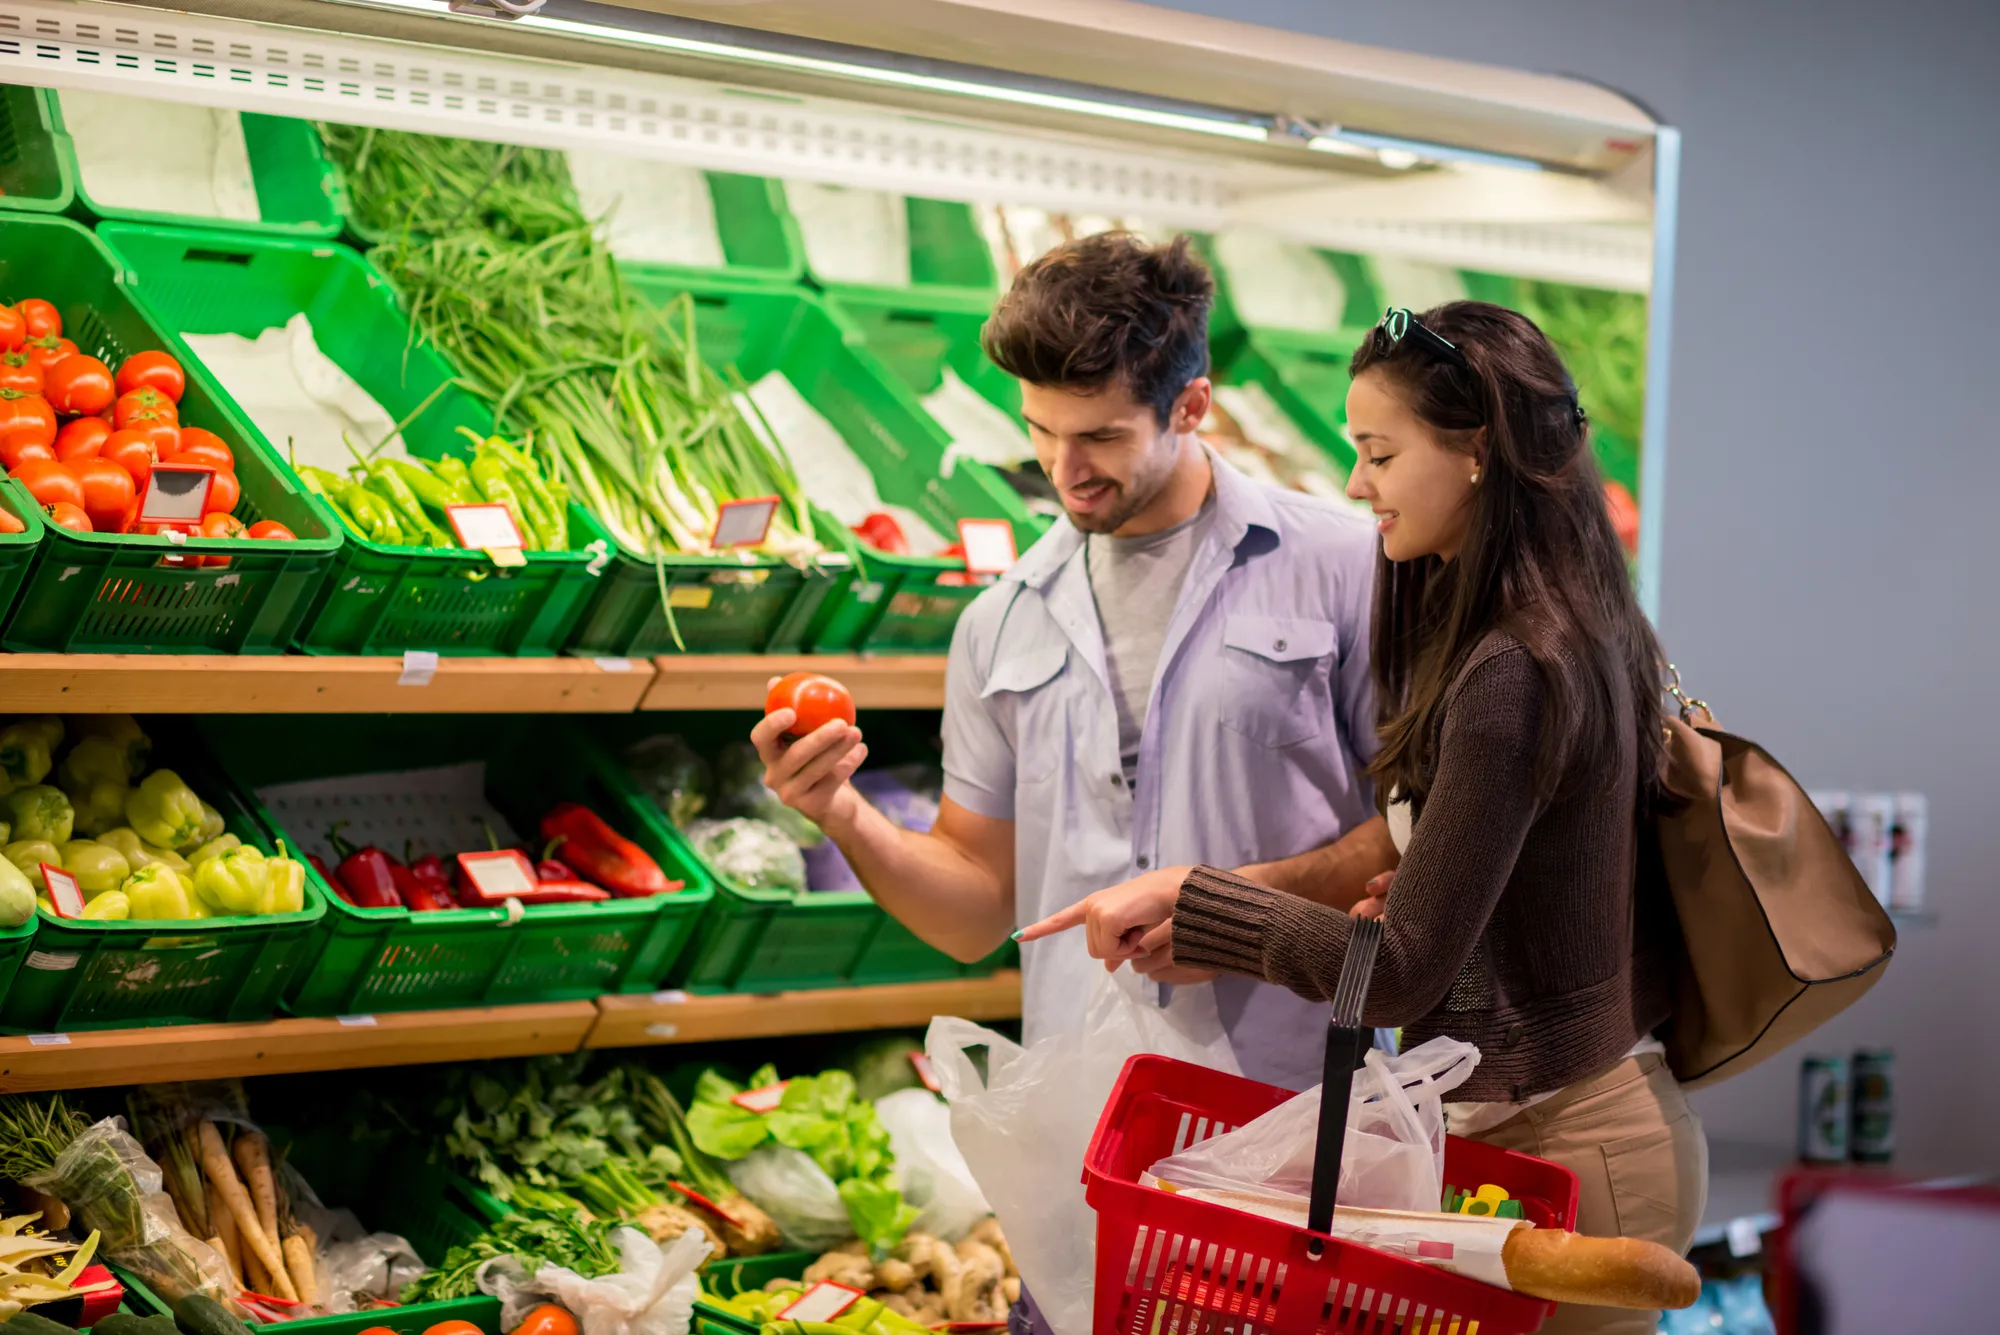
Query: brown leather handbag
x=1779, y=931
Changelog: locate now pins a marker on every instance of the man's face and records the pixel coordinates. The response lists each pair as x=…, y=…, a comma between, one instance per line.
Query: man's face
x=1108, y=455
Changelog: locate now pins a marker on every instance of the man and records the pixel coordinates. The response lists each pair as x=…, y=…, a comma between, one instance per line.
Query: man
x=1177, y=674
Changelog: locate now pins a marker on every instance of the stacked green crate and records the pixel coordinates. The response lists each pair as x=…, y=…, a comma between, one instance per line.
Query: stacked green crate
x=17, y=550
x=37, y=164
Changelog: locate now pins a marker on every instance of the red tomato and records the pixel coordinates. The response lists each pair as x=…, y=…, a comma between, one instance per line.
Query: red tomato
x=453, y=1328
x=152, y=370
x=14, y=453
x=147, y=401
x=79, y=384
x=165, y=435
x=49, y=482
x=815, y=700
x=131, y=451
x=9, y=524
x=71, y=517
x=219, y=525
x=202, y=447
x=271, y=530
x=29, y=417
x=223, y=493
x=107, y=491
x=42, y=319
x=378, y=1330
x=20, y=374
x=13, y=329
x=46, y=352
x=83, y=438
x=548, y=1319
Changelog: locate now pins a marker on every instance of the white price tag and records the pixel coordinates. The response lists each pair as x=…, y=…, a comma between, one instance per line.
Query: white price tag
x=500, y=874
x=175, y=494
x=989, y=545
x=922, y=1063
x=744, y=523
x=485, y=527
x=822, y=1302
x=48, y=1040
x=419, y=666
x=670, y=997
x=64, y=892
x=658, y=1030
x=357, y=1021
x=762, y=1100
x=613, y=664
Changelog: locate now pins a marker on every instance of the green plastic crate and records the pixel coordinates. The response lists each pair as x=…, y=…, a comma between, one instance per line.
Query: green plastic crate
x=753, y=940
x=377, y=599
x=742, y=1275
x=111, y=593
x=15, y=944
x=298, y=190
x=37, y=172
x=949, y=258
x=367, y=960
x=120, y=975
x=17, y=550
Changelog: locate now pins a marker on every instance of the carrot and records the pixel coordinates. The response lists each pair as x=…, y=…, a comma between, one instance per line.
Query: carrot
x=223, y=1182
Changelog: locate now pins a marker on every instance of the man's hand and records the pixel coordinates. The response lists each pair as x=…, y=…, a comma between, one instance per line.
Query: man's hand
x=810, y=774
x=1375, y=897
x=1127, y=922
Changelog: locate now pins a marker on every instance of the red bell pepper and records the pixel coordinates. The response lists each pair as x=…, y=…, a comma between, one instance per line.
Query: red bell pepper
x=365, y=872
x=417, y=894
x=565, y=890
x=881, y=531
x=326, y=875
x=603, y=855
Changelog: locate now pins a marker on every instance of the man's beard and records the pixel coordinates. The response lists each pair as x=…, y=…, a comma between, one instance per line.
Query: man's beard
x=1133, y=497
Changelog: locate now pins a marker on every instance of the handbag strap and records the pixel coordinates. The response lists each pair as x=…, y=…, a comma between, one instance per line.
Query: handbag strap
x=1689, y=706
x=1346, y=1042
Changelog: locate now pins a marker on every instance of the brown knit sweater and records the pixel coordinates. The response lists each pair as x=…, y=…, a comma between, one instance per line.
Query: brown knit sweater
x=1511, y=924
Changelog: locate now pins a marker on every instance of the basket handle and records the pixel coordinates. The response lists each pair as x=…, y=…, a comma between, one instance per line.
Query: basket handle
x=1346, y=1043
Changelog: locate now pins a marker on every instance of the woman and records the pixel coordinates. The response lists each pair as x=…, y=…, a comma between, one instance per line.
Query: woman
x=1516, y=686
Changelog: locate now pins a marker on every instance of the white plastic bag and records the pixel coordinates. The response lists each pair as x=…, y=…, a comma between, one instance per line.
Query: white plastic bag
x=933, y=1172
x=796, y=1192
x=1024, y=1129
x=653, y=1292
x=374, y=1265
x=1393, y=1157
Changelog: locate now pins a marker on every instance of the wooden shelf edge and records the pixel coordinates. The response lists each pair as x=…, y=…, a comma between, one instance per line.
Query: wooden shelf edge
x=740, y=681
x=86, y=1060
x=299, y=684
x=674, y=1017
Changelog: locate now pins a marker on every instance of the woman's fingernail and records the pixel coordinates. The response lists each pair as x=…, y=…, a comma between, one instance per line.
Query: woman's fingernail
x=1017, y=934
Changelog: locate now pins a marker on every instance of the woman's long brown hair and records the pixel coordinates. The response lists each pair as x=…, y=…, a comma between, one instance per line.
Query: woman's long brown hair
x=1540, y=560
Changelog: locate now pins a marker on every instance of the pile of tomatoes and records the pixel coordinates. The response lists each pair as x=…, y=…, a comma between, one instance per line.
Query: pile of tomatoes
x=83, y=440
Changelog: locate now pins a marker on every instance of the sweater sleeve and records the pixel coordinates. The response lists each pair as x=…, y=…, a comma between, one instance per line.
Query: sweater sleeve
x=1476, y=815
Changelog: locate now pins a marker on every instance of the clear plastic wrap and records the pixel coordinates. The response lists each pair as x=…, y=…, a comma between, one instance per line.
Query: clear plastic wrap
x=798, y=1195
x=652, y=1292
x=752, y=853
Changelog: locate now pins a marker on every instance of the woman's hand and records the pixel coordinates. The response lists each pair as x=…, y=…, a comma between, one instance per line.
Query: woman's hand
x=1132, y=922
x=1374, y=897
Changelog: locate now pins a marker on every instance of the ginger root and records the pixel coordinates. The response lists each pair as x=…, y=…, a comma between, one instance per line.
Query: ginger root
x=844, y=1266
x=974, y=1294
x=664, y=1223
x=989, y=1233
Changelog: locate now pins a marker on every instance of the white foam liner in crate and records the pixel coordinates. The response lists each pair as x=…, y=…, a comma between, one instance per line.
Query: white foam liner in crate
x=442, y=810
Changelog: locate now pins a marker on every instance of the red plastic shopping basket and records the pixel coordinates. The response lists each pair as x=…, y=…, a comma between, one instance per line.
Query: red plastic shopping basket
x=1166, y=1263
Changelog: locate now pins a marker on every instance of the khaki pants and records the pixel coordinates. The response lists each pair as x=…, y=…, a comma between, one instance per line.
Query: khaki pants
x=1640, y=1155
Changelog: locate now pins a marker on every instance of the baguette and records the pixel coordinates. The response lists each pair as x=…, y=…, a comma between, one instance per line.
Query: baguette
x=1598, y=1272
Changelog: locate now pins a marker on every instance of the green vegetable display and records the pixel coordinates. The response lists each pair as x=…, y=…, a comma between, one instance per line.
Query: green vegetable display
x=584, y=1246
x=404, y=502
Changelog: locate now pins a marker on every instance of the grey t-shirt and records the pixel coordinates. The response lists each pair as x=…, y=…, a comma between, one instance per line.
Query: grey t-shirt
x=1136, y=582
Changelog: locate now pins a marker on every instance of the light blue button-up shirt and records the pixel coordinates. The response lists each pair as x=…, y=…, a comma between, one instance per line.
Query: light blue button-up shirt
x=1260, y=720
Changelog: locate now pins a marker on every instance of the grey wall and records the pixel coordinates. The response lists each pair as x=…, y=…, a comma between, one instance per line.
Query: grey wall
x=1833, y=477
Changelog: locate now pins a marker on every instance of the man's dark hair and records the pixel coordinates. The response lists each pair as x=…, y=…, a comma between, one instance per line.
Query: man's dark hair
x=1107, y=309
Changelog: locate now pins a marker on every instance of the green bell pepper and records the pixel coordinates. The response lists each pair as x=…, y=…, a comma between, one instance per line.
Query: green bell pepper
x=27, y=749
x=215, y=847
x=235, y=882
x=97, y=867
x=159, y=892
x=212, y=823
x=122, y=730
x=93, y=774
x=388, y=485
x=109, y=907
x=164, y=811
x=41, y=812
x=139, y=853
x=28, y=855
x=288, y=882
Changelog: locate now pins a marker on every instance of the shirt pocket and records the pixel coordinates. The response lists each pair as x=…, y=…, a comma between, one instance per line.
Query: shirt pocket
x=1032, y=677
x=1275, y=674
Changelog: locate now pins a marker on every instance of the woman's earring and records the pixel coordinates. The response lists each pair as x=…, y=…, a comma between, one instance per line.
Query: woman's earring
x=1475, y=477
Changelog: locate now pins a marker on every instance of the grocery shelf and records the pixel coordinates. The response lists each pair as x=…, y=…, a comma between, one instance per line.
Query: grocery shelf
x=680, y=1017
x=740, y=681
x=296, y=684
x=349, y=1042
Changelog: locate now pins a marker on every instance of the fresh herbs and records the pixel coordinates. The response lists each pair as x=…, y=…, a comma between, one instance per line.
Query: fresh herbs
x=33, y=1132
x=570, y=1240
x=543, y=1128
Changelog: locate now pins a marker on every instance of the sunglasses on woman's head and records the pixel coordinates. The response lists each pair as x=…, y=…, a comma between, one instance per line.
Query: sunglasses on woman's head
x=1397, y=324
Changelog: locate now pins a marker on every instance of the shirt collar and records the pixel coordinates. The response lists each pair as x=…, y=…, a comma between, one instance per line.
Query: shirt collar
x=1240, y=505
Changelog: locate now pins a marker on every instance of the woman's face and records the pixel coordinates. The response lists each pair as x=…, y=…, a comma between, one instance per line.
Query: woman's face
x=1419, y=488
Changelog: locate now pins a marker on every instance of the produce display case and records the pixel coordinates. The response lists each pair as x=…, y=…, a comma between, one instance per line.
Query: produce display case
x=368, y=960
x=377, y=599
x=93, y=974
x=37, y=164
x=298, y=191
x=106, y=592
x=17, y=550
x=775, y=940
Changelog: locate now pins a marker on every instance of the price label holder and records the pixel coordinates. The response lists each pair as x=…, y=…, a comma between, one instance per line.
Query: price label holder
x=989, y=545
x=499, y=875
x=762, y=1100
x=822, y=1302
x=175, y=494
x=921, y=1063
x=490, y=529
x=64, y=892
x=743, y=523
x=704, y=1202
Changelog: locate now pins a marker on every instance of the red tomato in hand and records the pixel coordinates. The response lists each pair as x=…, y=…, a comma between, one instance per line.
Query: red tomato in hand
x=42, y=319
x=132, y=451
x=107, y=492
x=64, y=515
x=20, y=374
x=13, y=329
x=82, y=439
x=202, y=447
x=29, y=417
x=271, y=530
x=50, y=482
x=816, y=700
x=223, y=493
x=46, y=352
x=152, y=370
x=144, y=401
x=79, y=384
